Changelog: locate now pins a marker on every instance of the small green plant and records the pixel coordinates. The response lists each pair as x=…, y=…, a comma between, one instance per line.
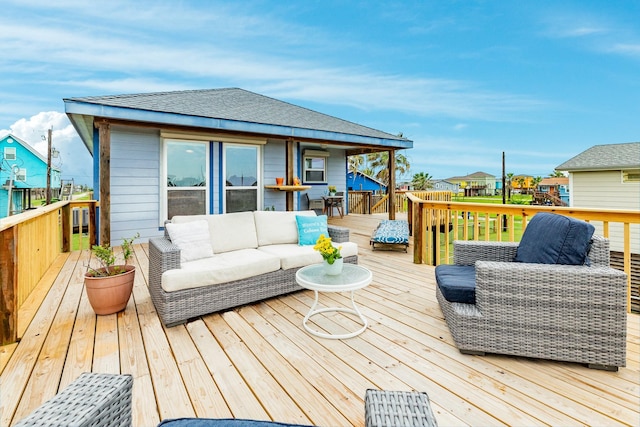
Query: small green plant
x=106, y=257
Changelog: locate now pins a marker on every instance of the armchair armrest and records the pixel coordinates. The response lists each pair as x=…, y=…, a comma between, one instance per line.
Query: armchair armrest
x=468, y=252
x=338, y=234
x=548, y=294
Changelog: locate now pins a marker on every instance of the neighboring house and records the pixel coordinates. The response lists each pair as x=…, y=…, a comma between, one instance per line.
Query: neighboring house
x=444, y=185
x=557, y=187
x=157, y=155
x=22, y=169
x=522, y=184
x=607, y=177
x=476, y=184
x=363, y=182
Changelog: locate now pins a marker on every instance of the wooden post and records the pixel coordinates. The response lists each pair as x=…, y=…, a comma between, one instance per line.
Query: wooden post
x=8, y=285
x=104, y=142
x=391, y=189
x=289, y=177
x=418, y=235
x=67, y=227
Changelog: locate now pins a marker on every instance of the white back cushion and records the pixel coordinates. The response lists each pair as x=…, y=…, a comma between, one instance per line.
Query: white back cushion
x=276, y=228
x=232, y=231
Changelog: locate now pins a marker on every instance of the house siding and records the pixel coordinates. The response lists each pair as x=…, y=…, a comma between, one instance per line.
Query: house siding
x=135, y=183
x=605, y=190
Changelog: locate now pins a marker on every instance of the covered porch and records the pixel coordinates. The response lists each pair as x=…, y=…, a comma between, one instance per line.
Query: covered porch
x=258, y=362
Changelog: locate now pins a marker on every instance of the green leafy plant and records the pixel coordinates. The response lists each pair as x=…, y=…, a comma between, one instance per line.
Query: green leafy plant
x=107, y=258
x=332, y=189
x=329, y=252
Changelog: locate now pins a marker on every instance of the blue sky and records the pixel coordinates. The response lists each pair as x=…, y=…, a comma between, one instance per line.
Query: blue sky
x=465, y=80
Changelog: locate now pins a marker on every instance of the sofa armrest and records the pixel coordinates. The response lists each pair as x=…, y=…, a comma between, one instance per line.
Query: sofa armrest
x=338, y=234
x=468, y=252
x=163, y=256
x=541, y=294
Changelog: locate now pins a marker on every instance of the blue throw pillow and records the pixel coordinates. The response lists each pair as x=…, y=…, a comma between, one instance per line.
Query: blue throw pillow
x=310, y=228
x=555, y=239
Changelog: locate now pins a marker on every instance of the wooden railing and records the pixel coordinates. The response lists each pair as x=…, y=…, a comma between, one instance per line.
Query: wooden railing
x=483, y=221
x=30, y=243
x=366, y=202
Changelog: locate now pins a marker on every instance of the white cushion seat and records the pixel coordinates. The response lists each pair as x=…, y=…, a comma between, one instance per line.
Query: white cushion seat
x=221, y=268
x=295, y=256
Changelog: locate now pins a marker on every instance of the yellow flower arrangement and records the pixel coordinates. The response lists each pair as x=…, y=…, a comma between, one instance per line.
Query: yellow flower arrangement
x=329, y=252
x=332, y=189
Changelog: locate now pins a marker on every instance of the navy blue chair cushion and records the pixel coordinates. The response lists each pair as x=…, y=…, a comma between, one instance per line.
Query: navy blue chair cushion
x=457, y=282
x=555, y=239
x=223, y=422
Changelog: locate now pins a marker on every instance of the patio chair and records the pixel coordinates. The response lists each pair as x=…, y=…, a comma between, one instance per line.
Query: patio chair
x=314, y=204
x=551, y=296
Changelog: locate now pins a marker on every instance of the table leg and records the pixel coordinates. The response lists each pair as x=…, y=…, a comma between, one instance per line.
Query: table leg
x=355, y=311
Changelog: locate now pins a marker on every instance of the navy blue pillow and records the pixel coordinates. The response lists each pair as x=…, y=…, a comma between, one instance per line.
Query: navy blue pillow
x=555, y=239
x=222, y=422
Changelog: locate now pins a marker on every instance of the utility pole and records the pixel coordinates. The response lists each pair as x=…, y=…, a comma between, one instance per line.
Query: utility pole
x=48, y=195
x=504, y=194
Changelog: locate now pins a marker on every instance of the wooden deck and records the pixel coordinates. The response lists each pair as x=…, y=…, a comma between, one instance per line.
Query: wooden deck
x=258, y=362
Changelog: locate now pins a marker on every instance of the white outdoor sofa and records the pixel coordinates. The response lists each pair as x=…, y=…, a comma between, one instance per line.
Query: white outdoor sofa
x=251, y=256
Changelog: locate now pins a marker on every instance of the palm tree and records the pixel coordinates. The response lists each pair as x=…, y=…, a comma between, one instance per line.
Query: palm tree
x=421, y=181
x=508, y=184
x=556, y=174
x=379, y=162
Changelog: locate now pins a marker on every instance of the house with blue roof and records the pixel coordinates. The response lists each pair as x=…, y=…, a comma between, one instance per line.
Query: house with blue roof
x=359, y=181
x=22, y=169
x=156, y=155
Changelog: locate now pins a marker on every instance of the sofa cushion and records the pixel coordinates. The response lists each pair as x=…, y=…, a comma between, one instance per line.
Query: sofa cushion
x=555, y=239
x=223, y=422
x=221, y=268
x=274, y=228
x=457, y=282
x=233, y=231
x=192, y=238
x=294, y=256
x=311, y=228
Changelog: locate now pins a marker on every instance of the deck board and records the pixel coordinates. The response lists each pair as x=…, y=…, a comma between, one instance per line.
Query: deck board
x=257, y=361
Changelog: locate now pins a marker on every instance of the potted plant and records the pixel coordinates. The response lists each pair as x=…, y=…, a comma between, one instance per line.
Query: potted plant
x=109, y=286
x=332, y=190
x=333, y=261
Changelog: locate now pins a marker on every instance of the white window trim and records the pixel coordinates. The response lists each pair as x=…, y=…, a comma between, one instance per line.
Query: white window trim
x=314, y=154
x=8, y=151
x=258, y=187
x=164, y=188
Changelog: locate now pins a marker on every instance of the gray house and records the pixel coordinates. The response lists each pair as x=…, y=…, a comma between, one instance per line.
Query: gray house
x=156, y=155
x=607, y=177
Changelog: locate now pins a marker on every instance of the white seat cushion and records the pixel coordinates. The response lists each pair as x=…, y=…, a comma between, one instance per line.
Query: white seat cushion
x=274, y=228
x=221, y=268
x=293, y=256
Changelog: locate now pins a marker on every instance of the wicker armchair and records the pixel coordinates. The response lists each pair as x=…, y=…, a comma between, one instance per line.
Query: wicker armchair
x=574, y=313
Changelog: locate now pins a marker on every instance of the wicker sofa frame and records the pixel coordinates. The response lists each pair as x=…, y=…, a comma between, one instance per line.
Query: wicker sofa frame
x=92, y=400
x=558, y=312
x=177, y=307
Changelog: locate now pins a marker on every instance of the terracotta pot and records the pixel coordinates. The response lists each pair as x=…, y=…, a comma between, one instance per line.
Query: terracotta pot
x=279, y=181
x=110, y=294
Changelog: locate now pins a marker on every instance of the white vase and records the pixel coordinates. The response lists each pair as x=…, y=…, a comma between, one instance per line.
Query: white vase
x=333, y=269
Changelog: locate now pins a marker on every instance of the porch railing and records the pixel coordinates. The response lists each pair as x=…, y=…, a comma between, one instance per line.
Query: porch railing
x=367, y=202
x=435, y=224
x=30, y=242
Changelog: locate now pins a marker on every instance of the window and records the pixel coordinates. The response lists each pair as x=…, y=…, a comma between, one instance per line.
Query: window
x=241, y=176
x=631, y=175
x=9, y=153
x=21, y=174
x=185, y=175
x=314, y=168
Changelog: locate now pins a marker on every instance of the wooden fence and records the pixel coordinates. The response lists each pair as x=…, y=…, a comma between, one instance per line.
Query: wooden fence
x=30, y=243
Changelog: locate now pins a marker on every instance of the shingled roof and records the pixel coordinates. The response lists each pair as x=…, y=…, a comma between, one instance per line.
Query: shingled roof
x=232, y=108
x=605, y=157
